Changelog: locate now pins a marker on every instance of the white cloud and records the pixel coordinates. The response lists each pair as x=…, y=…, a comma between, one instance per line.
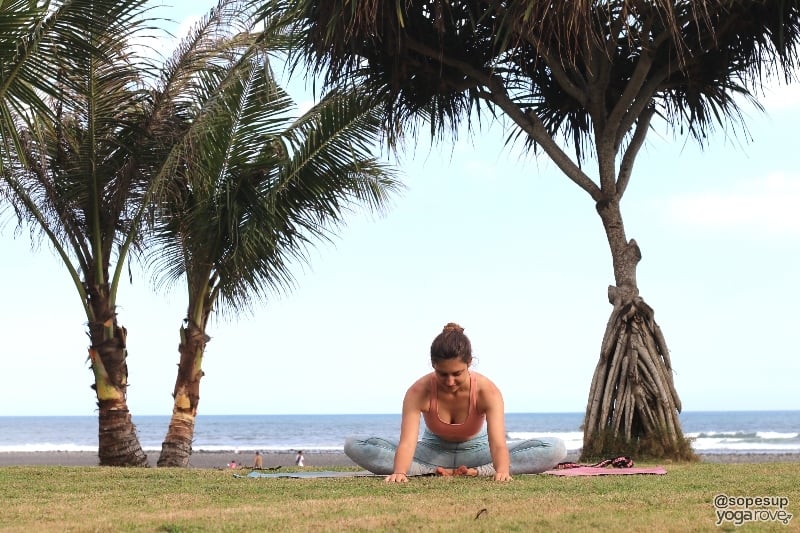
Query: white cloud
x=768, y=204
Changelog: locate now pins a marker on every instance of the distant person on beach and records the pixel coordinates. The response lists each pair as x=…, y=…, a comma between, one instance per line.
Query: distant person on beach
x=258, y=462
x=455, y=402
x=299, y=458
x=232, y=464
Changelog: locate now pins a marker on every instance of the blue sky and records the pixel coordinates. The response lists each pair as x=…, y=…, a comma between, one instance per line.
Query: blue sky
x=492, y=238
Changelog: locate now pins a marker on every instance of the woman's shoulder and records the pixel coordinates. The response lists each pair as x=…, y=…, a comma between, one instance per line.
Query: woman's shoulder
x=418, y=393
x=485, y=385
x=423, y=384
x=480, y=377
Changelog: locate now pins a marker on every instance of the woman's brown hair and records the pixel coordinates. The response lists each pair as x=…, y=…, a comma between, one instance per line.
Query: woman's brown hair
x=451, y=343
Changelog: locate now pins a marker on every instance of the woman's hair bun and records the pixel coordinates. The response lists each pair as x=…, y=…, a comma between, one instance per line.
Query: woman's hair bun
x=452, y=326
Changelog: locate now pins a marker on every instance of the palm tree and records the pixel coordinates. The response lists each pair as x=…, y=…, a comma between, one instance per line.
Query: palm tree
x=252, y=190
x=73, y=172
x=590, y=75
x=85, y=166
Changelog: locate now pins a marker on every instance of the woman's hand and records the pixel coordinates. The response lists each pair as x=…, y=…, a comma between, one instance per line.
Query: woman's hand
x=397, y=477
x=503, y=476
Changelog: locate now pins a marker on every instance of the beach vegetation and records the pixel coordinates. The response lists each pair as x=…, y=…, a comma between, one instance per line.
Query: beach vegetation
x=252, y=187
x=646, y=447
x=196, y=500
x=584, y=83
x=193, y=164
x=76, y=124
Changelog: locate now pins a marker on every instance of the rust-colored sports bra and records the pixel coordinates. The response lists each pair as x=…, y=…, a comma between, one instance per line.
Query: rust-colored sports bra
x=455, y=432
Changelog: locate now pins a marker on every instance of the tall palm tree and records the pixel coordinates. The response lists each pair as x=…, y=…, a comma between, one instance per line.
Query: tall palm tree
x=84, y=167
x=73, y=173
x=253, y=189
x=586, y=75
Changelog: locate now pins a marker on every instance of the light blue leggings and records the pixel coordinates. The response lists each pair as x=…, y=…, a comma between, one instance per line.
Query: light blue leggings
x=530, y=456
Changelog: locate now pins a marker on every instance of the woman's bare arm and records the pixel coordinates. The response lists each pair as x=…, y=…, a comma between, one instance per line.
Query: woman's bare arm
x=496, y=429
x=409, y=433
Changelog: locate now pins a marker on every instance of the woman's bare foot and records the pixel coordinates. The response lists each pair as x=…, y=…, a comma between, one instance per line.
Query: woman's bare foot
x=460, y=471
x=464, y=471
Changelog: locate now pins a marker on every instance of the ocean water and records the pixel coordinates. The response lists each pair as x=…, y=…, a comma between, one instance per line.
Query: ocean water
x=714, y=432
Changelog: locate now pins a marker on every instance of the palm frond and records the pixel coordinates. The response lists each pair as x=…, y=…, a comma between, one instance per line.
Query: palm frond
x=265, y=188
x=221, y=162
x=74, y=166
x=578, y=66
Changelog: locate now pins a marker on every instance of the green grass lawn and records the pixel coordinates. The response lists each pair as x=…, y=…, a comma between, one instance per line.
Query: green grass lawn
x=180, y=500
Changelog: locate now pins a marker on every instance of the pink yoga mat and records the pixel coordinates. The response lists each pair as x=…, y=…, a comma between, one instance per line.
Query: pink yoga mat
x=599, y=471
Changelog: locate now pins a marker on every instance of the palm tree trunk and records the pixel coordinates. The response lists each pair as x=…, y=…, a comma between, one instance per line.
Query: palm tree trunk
x=177, y=446
x=118, y=442
x=633, y=406
x=119, y=445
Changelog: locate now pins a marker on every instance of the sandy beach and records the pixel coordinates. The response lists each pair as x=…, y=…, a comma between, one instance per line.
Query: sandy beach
x=312, y=459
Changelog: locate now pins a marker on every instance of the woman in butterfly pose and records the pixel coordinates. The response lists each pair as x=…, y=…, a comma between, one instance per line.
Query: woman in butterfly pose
x=464, y=425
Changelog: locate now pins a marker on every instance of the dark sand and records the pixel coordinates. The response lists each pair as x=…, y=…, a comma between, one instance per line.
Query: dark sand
x=312, y=459
x=197, y=460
